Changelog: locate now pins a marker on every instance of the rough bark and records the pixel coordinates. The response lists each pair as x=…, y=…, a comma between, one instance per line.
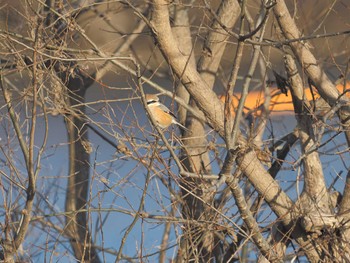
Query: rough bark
x=195, y=156
x=314, y=181
x=77, y=195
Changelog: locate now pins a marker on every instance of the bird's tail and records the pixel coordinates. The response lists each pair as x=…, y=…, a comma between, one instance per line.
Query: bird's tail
x=181, y=126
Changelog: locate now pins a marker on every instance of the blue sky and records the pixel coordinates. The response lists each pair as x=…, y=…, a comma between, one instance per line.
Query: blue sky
x=125, y=179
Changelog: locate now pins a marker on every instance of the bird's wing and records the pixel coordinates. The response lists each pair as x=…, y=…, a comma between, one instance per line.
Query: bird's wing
x=166, y=109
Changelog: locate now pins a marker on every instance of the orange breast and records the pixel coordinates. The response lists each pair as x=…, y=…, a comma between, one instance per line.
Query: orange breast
x=162, y=118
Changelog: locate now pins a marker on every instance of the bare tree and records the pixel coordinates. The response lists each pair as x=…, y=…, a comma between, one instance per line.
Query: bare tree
x=233, y=186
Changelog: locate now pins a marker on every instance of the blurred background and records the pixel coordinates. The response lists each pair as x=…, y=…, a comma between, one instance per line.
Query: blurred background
x=121, y=186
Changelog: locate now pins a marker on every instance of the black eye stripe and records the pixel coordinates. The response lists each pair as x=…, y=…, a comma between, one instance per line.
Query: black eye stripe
x=151, y=102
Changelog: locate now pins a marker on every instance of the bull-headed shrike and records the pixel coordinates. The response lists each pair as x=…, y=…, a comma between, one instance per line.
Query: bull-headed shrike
x=160, y=113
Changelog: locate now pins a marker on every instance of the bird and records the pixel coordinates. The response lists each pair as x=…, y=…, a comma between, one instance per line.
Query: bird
x=160, y=113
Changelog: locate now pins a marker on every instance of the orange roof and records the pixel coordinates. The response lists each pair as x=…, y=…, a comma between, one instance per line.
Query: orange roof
x=280, y=103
